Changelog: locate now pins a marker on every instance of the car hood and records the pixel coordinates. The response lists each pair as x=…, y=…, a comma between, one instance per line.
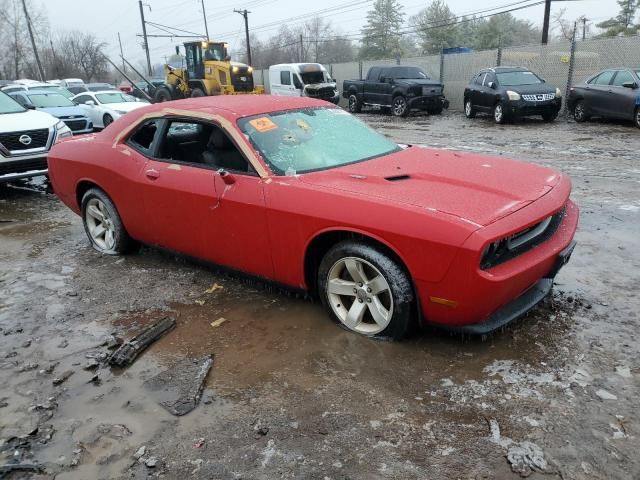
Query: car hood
x=64, y=112
x=125, y=106
x=531, y=89
x=417, y=81
x=475, y=188
x=29, y=120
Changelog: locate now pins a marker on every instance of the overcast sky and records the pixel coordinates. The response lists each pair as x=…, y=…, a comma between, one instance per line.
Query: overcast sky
x=106, y=18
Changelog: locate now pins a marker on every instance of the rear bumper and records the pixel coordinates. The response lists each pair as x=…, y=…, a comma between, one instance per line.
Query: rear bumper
x=32, y=166
x=473, y=300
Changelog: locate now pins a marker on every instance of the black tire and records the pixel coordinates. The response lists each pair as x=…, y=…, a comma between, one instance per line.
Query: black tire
x=637, y=117
x=580, y=112
x=355, y=105
x=399, y=106
x=197, y=92
x=499, y=115
x=469, y=111
x=162, y=94
x=435, y=111
x=123, y=243
x=107, y=120
x=400, y=289
x=549, y=117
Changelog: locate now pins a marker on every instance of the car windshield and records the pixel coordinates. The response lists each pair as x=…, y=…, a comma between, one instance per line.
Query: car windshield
x=409, y=73
x=44, y=100
x=312, y=77
x=9, y=105
x=518, y=78
x=115, y=97
x=312, y=139
x=44, y=87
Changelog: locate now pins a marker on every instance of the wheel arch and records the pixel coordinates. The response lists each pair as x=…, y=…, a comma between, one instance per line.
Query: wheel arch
x=317, y=247
x=82, y=187
x=198, y=84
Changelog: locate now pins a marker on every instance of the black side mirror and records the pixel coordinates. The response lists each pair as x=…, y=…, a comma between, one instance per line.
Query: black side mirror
x=492, y=85
x=30, y=107
x=383, y=79
x=631, y=85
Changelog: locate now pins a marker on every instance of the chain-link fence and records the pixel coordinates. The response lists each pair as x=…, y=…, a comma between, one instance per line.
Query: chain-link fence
x=558, y=63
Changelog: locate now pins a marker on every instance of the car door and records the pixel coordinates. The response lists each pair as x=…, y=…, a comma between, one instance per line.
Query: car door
x=599, y=93
x=370, y=91
x=622, y=103
x=89, y=110
x=286, y=86
x=487, y=94
x=201, y=209
x=385, y=89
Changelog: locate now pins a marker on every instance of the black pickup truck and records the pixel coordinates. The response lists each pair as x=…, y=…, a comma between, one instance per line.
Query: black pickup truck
x=398, y=89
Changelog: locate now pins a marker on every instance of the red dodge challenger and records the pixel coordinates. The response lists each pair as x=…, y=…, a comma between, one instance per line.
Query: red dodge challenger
x=301, y=193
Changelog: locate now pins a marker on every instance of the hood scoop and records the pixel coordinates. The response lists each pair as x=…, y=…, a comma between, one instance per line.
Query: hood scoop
x=397, y=178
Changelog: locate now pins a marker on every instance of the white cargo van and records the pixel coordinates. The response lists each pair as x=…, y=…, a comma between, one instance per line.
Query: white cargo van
x=303, y=79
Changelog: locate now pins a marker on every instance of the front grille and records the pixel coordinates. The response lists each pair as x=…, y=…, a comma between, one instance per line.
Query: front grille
x=76, y=125
x=540, y=97
x=22, y=166
x=521, y=242
x=242, y=80
x=11, y=141
x=322, y=92
x=434, y=90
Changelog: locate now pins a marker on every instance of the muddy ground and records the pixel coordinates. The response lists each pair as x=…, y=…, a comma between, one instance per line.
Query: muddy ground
x=290, y=394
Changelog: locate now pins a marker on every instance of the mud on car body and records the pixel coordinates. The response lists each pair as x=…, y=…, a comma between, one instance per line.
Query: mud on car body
x=511, y=92
x=302, y=193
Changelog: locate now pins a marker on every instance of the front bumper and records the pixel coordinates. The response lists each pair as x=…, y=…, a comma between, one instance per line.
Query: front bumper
x=428, y=102
x=524, y=108
x=31, y=166
x=473, y=300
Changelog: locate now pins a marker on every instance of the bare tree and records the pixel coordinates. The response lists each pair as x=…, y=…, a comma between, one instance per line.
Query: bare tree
x=563, y=26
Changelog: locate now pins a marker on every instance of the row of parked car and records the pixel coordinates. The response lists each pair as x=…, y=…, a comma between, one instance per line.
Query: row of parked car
x=35, y=115
x=506, y=93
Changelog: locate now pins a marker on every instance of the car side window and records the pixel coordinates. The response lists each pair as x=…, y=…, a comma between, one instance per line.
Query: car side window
x=82, y=99
x=489, y=77
x=143, y=137
x=480, y=78
x=622, y=77
x=285, y=78
x=202, y=144
x=604, y=78
x=20, y=99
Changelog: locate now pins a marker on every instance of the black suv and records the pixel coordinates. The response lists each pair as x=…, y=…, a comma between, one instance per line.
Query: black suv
x=511, y=92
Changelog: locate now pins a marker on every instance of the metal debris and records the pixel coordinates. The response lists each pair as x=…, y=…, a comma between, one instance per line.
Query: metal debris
x=129, y=351
x=62, y=378
x=218, y=322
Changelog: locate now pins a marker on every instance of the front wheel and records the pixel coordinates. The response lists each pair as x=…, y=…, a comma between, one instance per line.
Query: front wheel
x=355, y=106
x=637, y=117
x=580, y=112
x=162, y=94
x=498, y=114
x=107, y=120
x=103, y=225
x=400, y=107
x=365, y=290
x=469, y=111
x=197, y=92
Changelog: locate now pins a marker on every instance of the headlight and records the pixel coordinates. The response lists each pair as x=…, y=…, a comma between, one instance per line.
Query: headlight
x=62, y=131
x=250, y=69
x=234, y=69
x=513, y=96
x=558, y=93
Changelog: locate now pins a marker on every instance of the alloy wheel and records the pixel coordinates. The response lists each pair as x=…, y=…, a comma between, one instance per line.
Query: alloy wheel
x=468, y=109
x=399, y=106
x=359, y=295
x=638, y=117
x=498, y=113
x=353, y=103
x=100, y=225
x=579, y=113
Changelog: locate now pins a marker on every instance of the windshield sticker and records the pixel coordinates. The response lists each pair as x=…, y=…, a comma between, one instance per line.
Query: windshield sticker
x=263, y=124
x=302, y=124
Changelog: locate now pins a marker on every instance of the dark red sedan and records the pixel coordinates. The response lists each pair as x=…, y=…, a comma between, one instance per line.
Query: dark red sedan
x=300, y=192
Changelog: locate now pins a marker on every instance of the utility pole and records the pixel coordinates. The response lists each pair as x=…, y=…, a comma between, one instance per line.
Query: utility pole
x=124, y=67
x=33, y=41
x=144, y=34
x=584, y=28
x=545, y=23
x=55, y=60
x=301, y=50
x=245, y=14
x=206, y=28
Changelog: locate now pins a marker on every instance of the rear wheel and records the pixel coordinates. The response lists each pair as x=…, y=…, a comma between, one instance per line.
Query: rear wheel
x=400, y=107
x=163, y=94
x=469, y=111
x=580, y=112
x=103, y=225
x=498, y=113
x=365, y=290
x=637, y=117
x=107, y=120
x=197, y=92
x=355, y=106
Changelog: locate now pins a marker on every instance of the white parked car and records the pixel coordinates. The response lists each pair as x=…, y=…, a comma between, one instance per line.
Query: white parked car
x=303, y=80
x=25, y=139
x=106, y=106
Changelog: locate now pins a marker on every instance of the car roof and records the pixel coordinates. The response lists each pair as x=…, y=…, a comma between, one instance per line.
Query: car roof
x=505, y=69
x=35, y=91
